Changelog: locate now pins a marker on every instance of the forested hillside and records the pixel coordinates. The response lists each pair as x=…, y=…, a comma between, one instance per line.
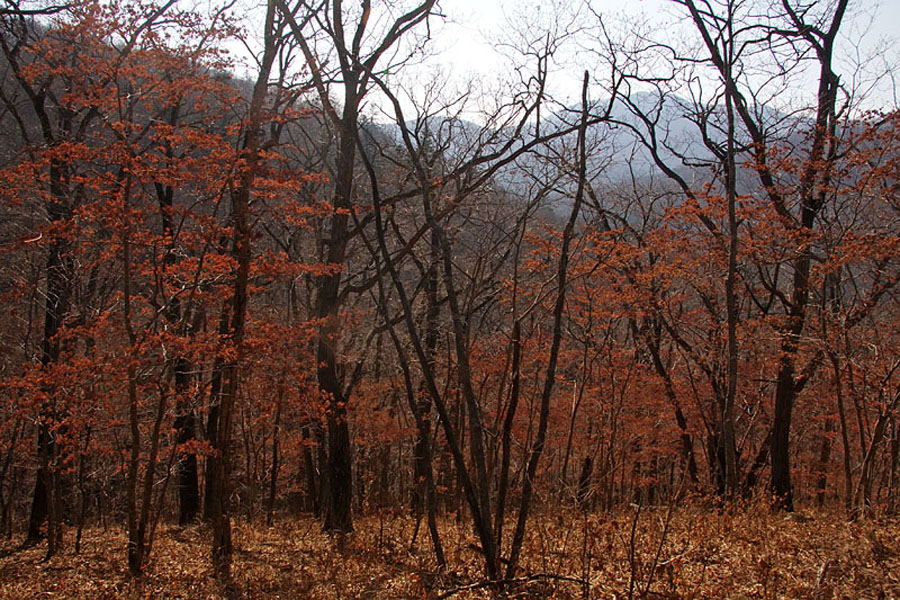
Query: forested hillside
x=264, y=266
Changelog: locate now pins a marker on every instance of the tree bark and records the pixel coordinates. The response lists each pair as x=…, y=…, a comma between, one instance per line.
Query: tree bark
x=243, y=239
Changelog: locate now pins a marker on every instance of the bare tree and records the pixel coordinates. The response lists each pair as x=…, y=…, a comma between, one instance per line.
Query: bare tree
x=359, y=53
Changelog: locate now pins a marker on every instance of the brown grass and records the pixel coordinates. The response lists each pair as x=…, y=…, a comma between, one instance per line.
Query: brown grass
x=706, y=554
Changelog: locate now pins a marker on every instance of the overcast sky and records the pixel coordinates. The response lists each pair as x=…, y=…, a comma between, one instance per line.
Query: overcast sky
x=466, y=44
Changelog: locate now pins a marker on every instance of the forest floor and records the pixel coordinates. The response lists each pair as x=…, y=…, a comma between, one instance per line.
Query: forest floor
x=704, y=554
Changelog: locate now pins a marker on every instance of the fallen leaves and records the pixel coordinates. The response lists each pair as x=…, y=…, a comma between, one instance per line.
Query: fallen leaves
x=706, y=554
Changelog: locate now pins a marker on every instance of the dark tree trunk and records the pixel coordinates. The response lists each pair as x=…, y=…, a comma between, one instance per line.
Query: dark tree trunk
x=212, y=437
x=338, y=515
x=212, y=420
x=824, y=460
x=83, y=466
x=425, y=497
x=243, y=239
x=340, y=473
x=812, y=190
x=356, y=68
x=785, y=393
x=59, y=292
x=687, y=442
x=762, y=457
x=313, y=498
x=537, y=448
x=39, y=501
x=716, y=459
x=894, y=468
x=506, y=435
x=273, y=479
x=186, y=471
x=583, y=493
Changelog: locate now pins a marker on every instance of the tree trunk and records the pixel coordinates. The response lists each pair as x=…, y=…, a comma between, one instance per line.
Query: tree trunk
x=59, y=292
x=782, y=491
x=273, y=479
x=212, y=420
x=729, y=443
x=339, y=472
x=824, y=460
x=894, y=468
x=186, y=471
x=550, y=375
x=243, y=239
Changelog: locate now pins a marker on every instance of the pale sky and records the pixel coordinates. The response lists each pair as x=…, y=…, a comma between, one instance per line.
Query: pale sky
x=465, y=43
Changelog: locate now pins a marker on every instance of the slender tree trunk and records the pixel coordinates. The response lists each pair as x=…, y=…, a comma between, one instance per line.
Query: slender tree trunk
x=212, y=419
x=506, y=435
x=845, y=434
x=83, y=465
x=756, y=467
x=338, y=515
x=863, y=492
x=732, y=476
x=185, y=424
x=58, y=299
x=273, y=479
x=243, y=239
x=356, y=72
x=8, y=476
x=424, y=492
x=39, y=502
x=145, y=516
x=782, y=490
x=474, y=491
x=894, y=468
x=550, y=376
x=824, y=460
x=687, y=441
x=578, y=396
x=186, y=471
x=54, y=516
x=583, y=492
x=313, y=497
x=812, y=190
x=135, y=543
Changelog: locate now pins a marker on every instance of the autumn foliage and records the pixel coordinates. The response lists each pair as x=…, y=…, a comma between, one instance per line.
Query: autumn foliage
x=228, y=299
